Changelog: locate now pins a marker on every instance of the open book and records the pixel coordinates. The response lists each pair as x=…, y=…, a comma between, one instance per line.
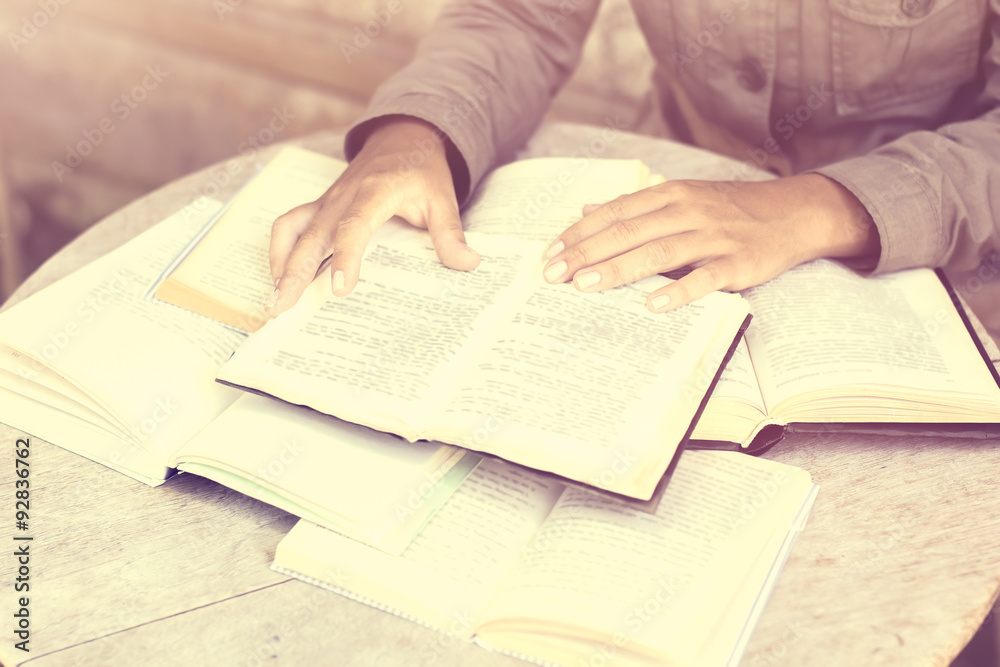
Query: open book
x=558, y=575
x=224, y=272
x=91, y=365
x=829, y=349
x=591, y=387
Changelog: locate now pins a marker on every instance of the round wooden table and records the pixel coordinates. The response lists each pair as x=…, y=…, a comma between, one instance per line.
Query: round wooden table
x=899, y=563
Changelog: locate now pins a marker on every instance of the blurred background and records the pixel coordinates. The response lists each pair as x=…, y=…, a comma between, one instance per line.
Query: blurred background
x=102, y=101
x=105, y=100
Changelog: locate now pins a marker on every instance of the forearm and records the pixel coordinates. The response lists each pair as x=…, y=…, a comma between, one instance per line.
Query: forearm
x=485, y=75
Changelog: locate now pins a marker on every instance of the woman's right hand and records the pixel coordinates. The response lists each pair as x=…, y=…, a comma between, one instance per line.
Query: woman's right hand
x=402, y=169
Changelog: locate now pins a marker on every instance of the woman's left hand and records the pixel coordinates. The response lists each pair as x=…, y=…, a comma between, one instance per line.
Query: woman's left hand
x=735, y=235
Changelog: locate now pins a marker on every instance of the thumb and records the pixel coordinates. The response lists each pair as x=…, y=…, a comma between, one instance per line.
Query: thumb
x=445, y=227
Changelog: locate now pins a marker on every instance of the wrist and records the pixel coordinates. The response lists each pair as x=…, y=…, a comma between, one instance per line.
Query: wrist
x=404, y=134
x=843, y=228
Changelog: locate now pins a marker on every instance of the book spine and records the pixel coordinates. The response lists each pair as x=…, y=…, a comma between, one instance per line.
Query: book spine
x=957, y=302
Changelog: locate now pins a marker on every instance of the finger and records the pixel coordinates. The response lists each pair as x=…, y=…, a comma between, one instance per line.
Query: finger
x=590, y=208
x=310, y=249
x=621, y=208
x=657, y=256
x=369, y=211
x=703, y=280
x=285, y=233
x=445, y=227
x=612, y=241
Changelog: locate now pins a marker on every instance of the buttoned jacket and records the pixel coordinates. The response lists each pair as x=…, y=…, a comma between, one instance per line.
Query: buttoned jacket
x=898, y=100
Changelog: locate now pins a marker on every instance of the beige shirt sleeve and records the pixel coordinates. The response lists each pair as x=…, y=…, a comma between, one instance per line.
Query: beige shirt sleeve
x=935, y=195
x=897, y=101
x=485, y=76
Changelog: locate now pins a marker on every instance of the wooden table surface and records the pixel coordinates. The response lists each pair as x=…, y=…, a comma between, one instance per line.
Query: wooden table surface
x=899, y=564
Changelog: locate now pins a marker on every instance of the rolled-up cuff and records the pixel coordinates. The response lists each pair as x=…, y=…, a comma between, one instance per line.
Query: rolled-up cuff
x=901, y=205
x=468, y=165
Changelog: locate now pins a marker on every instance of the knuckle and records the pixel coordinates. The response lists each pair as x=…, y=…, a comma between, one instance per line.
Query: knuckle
x=352, y=220
x=679, y=189
x=314, y=236
x=625, y=231
x=681, y=292
x=712, y=277
x=295, y=274
x=615, y=209
x=577, y=256
x=374, y=182
x=612, y=273
x=281, y=222
x=445, y=223
x=660, y=254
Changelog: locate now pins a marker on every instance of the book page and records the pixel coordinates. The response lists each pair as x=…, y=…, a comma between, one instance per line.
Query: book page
x=384, y=355
x=821, y=326
x=607, y=386
x=364, y=483
x=538, y=198
x=452, y=568
x=230, y=266
x=150, y=364
x=736, y=405
x=599, y=569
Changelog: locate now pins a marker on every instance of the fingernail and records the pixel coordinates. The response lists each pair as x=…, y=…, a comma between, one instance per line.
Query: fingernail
x=472, y=253
x=272, y=302
x=555, y=249
x=659, y=302
x=587, y=280
x=554, y=272
x=338, y=280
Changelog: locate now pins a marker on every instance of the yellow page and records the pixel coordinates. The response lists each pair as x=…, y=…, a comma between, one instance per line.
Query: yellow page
x=148, y=365
x=538, y=198
x=384, y=355
x=594, y=382
x=451, y=569
x=369, y=485
x=736, y=406
x=601, y=571
x=227, y=276
x=822, y=331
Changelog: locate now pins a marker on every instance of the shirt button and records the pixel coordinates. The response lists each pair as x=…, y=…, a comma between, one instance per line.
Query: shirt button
x=750, y=74
x=916, y=9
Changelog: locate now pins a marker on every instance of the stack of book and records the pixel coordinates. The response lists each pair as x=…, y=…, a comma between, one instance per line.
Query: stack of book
x=582, y=550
